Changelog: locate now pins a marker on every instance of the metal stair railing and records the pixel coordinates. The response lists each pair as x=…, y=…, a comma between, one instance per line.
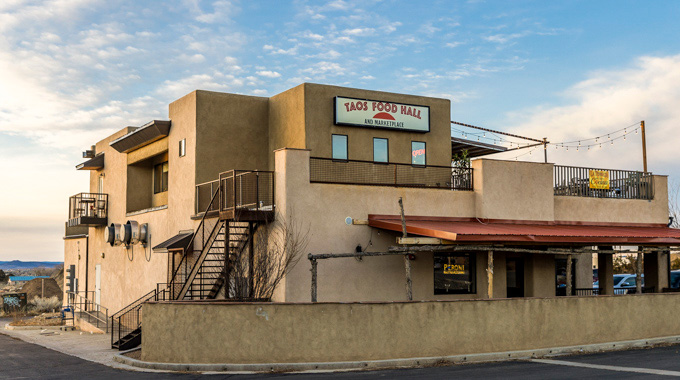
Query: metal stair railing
x=90, y=310
x=207, y=246
x=128, y=319
x=176, y=284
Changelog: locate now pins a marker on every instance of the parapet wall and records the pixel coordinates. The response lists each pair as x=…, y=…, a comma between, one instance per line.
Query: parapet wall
x=223, y=332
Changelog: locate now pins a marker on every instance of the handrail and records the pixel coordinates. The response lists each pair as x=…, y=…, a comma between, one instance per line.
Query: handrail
x=191, y=242
x=370, y=173
x=135, y=306
x=82, y=303
x=132, y=304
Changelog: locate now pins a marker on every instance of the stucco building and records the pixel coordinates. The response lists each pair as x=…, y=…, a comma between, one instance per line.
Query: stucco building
x=168, y=200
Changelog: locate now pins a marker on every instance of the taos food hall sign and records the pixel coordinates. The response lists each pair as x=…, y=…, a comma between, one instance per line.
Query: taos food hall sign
x=380, y=114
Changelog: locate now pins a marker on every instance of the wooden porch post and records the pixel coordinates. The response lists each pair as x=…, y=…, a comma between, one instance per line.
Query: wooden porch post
x=314, y=263
x=409, y=284
x=489, y=272
x=569, y=279
x=638, y=272
x=407, y=262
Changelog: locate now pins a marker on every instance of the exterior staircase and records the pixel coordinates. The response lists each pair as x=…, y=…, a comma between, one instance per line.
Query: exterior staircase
x=214, y=247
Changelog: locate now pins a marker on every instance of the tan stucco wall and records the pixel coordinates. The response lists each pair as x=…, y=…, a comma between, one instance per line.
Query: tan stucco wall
x=291, y=333
x=287, y=121
x=513, y=190
x=322, y=208
x=319, y=126
x=73, y=248
x=231, y=133
x=616, y=210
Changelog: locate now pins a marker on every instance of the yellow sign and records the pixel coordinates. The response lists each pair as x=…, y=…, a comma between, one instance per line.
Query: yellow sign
x=599, y=179
x=454, y=269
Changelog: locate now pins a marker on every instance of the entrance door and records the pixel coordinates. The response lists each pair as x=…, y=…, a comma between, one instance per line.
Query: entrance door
x=97, y=283
x=515, y=277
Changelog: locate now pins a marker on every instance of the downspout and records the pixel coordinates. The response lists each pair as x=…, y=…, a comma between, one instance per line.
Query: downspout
x=87, y=263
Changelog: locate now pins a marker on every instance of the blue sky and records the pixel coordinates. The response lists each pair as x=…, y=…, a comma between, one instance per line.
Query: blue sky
x=73, y=71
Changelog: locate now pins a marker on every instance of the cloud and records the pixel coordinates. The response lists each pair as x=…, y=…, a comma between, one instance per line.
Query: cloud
x=649, y=89
x=268, y=74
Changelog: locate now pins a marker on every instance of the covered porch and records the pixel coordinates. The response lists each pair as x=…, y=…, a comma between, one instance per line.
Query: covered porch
x=474, y=258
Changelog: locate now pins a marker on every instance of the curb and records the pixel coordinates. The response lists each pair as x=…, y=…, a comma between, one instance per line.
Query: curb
x=395, y=363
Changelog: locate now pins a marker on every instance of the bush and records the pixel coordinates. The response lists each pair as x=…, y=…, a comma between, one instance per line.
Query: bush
x=44, y=305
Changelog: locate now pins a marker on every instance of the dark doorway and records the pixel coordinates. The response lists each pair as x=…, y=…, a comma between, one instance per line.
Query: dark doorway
x=515, y=276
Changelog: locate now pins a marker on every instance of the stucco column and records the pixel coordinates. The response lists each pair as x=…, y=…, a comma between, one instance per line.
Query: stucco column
x=605, y=273
x=655, y=270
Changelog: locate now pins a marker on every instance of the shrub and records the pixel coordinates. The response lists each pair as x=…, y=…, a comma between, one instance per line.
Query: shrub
x=44, y=305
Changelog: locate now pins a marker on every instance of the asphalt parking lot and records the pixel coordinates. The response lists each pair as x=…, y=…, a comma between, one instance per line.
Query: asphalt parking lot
x=22, y=360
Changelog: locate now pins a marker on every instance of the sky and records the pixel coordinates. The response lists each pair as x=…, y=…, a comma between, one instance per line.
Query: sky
x=74, y=71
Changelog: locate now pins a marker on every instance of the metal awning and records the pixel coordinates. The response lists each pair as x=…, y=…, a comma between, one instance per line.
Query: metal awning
x=144, y=135
x=177, y=242
x=95, y=163
x=474, y=148
x=473, y=230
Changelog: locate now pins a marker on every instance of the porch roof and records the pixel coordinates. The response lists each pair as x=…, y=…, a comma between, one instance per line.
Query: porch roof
x=177, y=242
x=474, y=230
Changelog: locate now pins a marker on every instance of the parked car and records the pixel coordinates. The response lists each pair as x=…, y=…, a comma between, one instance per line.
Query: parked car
x=675, y=279
x=624, y=283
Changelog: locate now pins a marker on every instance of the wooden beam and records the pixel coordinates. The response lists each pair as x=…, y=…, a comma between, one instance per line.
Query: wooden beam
x=489, y=272
x=569, y=257
x=462, y=247
x=409, y=283
x=314, y=279
x=403, y=217
x=638, y=274
x=422, y=241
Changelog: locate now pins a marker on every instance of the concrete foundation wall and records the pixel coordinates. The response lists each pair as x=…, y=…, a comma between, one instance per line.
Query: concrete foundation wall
x=293, y=333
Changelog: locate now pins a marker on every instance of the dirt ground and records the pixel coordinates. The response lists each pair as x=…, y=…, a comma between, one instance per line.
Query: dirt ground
x=40, y=320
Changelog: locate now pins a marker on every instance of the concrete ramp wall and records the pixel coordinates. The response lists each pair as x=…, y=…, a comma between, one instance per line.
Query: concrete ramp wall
x=223, y=332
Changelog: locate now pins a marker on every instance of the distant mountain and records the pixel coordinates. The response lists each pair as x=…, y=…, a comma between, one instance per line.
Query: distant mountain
x=17, y=264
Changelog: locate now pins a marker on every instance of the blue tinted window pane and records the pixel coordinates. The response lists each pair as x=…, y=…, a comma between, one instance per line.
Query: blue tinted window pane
x=380, y=150
x=339, y=147
x=417, y=153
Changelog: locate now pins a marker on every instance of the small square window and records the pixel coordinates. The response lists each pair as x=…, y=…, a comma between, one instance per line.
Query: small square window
x=418, y=153
x=182, y=147
x=339, y=145
x=380, y=150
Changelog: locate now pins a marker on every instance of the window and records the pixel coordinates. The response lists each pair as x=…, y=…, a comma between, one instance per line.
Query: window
x=339, y=147
x=454, y=273
x=418, y=153
x=160, y=178
x=182, y=147
x=380, y=150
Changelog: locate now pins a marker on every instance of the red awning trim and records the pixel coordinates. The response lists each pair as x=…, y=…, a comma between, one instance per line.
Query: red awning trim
x=472, y=230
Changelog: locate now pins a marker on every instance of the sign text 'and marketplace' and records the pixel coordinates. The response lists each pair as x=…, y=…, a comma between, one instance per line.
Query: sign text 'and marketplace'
x=380, y=114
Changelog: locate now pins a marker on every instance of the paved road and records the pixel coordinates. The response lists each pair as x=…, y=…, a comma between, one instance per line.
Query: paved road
x=21, y=360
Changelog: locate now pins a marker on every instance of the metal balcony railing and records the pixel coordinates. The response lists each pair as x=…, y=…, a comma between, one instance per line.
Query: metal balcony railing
x=357, y=172
x=88, y=209
x=204, y=193
x=247, y=190
x=602, y=183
